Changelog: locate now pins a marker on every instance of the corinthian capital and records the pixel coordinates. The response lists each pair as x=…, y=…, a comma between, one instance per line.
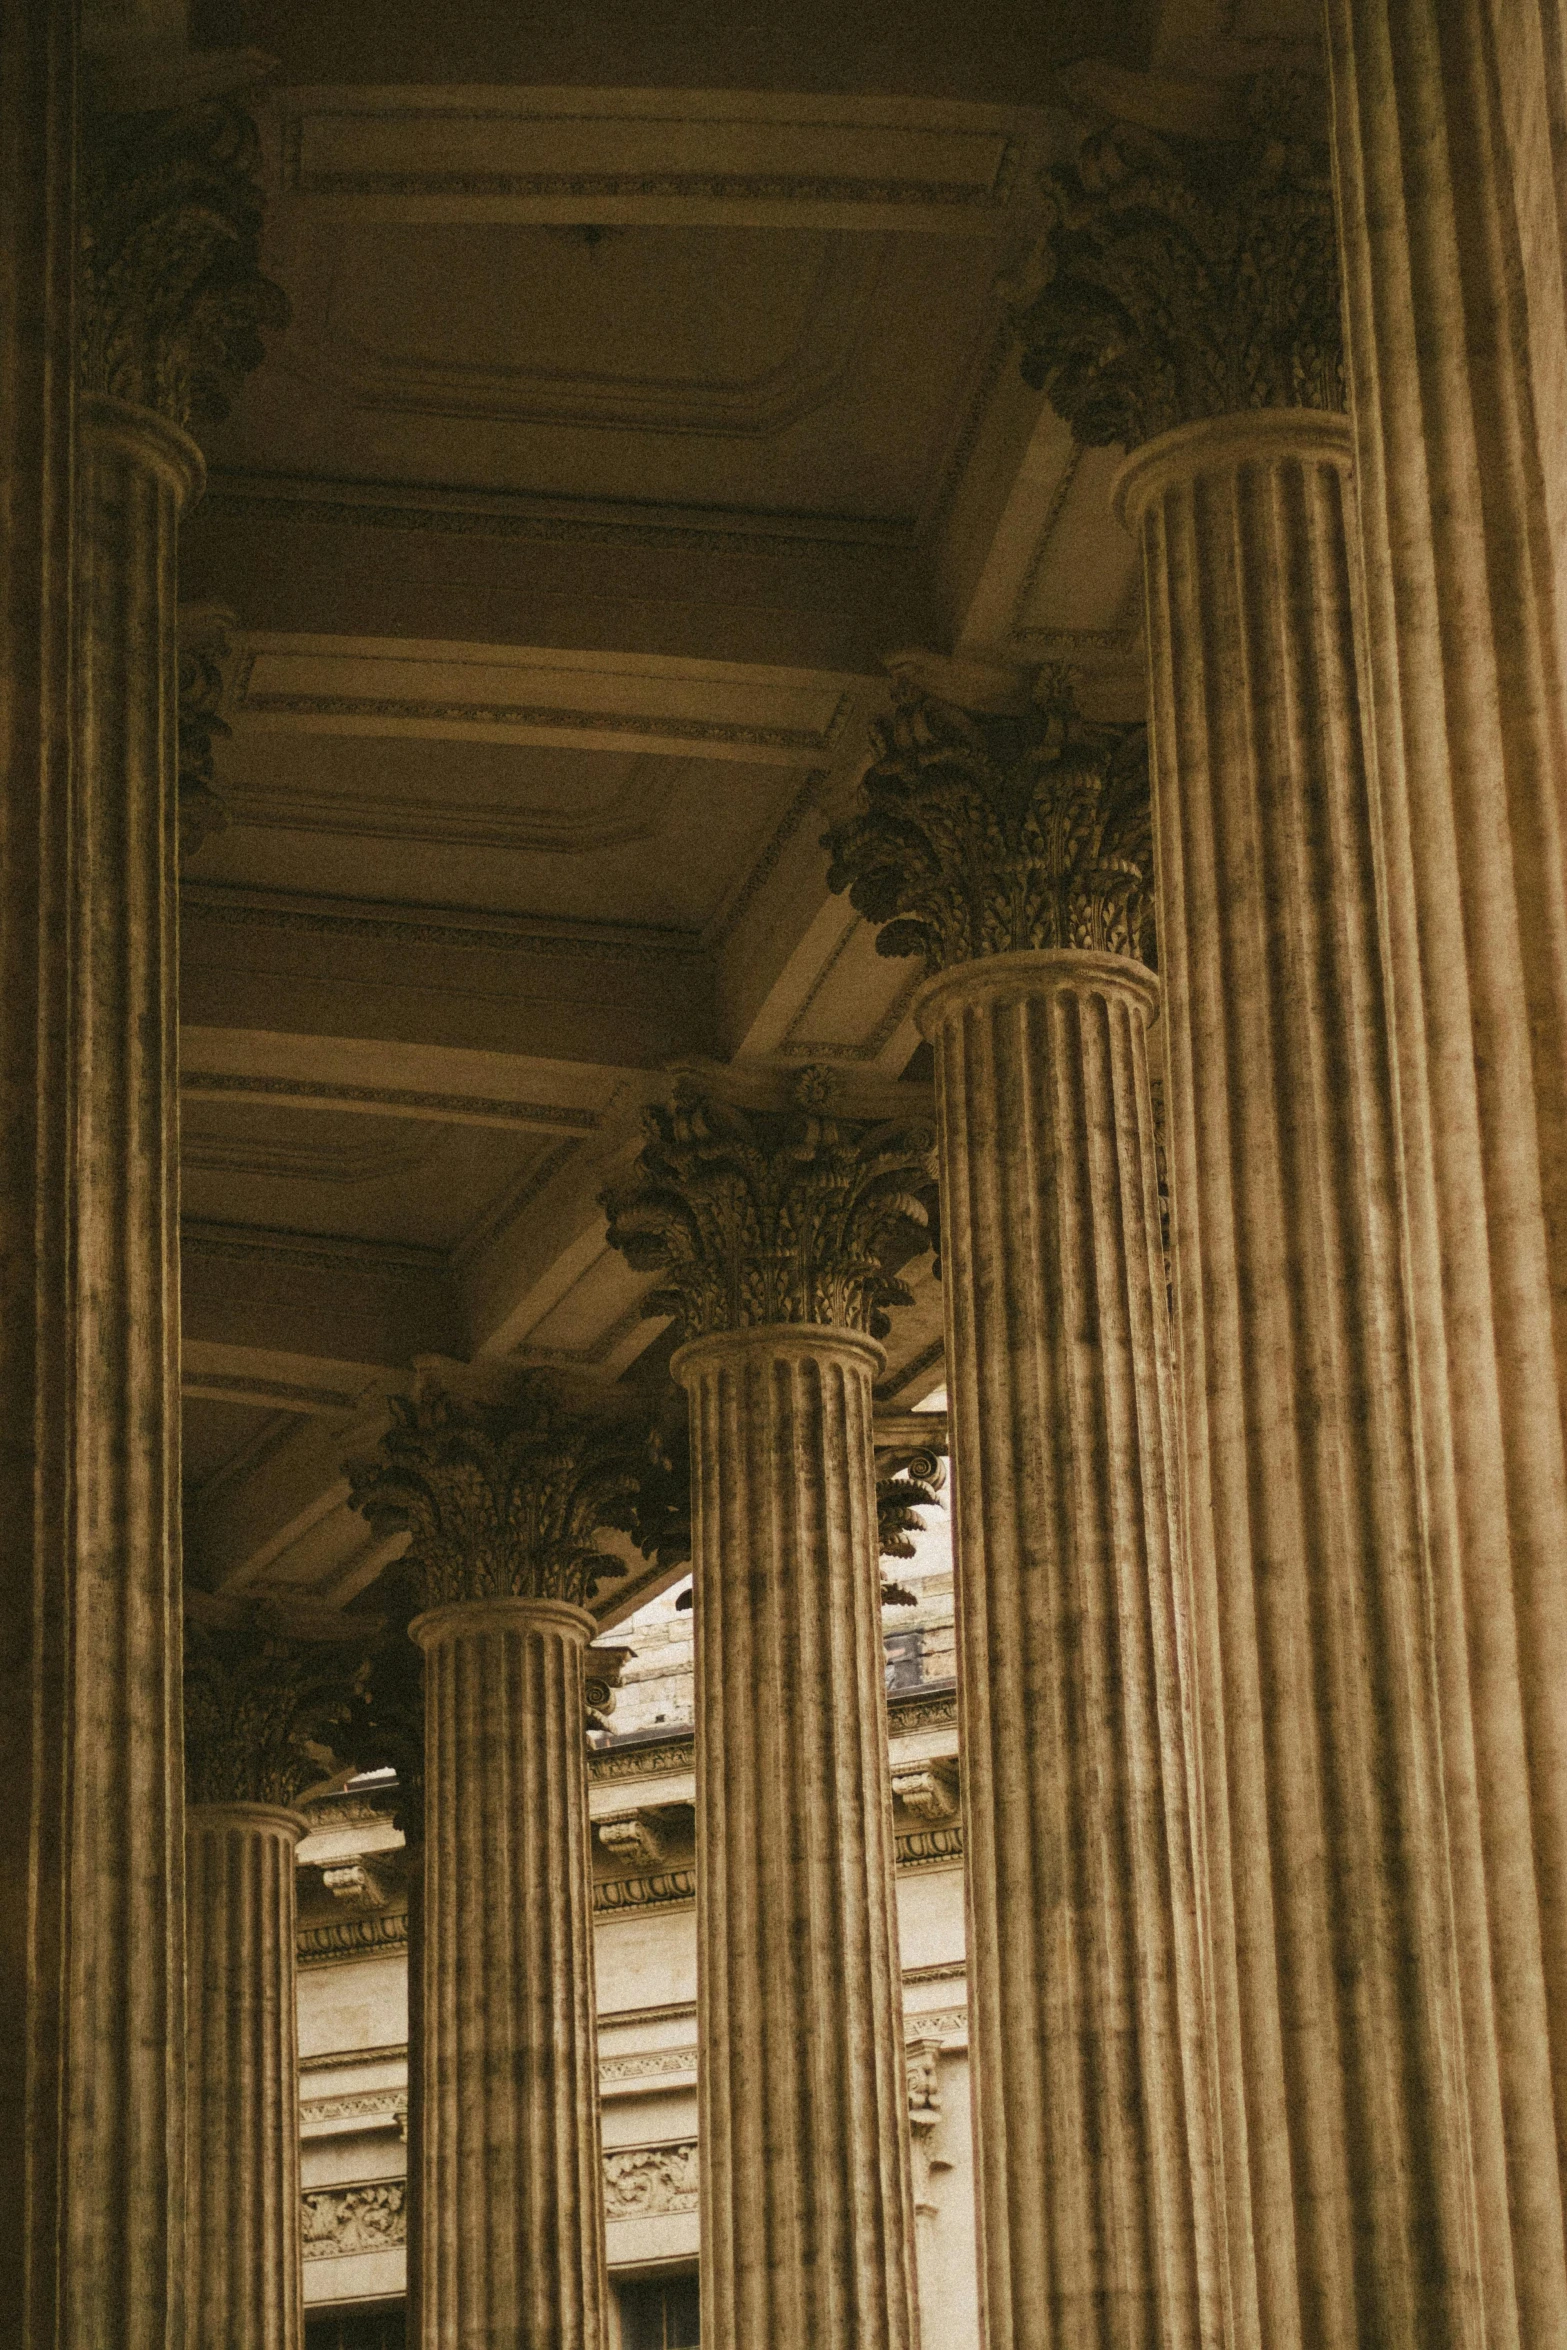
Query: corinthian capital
x=766, y=1216
x=998, y=823
x=266, y=1715
x=1189, y=278
x=505, y=1500
x=173, y=298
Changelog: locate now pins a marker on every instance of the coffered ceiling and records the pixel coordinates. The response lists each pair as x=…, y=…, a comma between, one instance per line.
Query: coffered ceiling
x=648, y=383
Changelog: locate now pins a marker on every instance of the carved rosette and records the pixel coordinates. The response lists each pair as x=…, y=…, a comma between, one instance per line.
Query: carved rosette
x=505, y=1500
x=266, y=1716
x=173, y=299
x=1189, y=278
x=761, y=1217
x=999, y=830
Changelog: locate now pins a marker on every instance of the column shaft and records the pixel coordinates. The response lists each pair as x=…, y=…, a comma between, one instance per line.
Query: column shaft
x=243, y=2068
x=123, y=2275
x=1449, y=120
x=40, y=2171
x=511, y=2192
x=1319, y=1653
x=1093, y=2119
x=807, y=2221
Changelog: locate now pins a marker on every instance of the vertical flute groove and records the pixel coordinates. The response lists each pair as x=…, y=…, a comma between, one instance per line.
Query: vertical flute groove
x=1093, y=2122
x=512, y=2210
x=242, y=2064
x=1448, y=123
x=1337, y=1970
x=807, y=2220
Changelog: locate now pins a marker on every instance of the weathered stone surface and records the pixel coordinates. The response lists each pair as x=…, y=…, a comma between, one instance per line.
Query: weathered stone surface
x=1092, y=2059
x=1336, y=1963
x=1449, y=118
x=778, y=1233
x=242, y=2049
x=807, y=2220
x=512, y=2236
x=503, y=1501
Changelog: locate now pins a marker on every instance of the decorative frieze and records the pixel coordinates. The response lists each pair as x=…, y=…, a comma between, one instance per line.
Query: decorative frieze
x=765, y=1216
x=369, y=2218
x=1189, y=278
x=650, y=2182
x=503, y=1500
x=996, y=819
x=367, y=1937
x=173, y=299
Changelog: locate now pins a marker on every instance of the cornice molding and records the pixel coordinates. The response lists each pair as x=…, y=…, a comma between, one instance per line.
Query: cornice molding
x=437, y=690
x=240, y=908
x=331, y=504
x=248, y=1243
x=381, y=1935
x=455, y=1109
x=653, y=157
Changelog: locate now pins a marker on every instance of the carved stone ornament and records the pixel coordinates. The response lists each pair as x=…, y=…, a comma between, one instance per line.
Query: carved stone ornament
x=994, y=829
x=645, y=2181
x=173, y=300
x=267, y=1716
x=1189, y=278
x=774, y=1216
x=505, y=1500
x=205, y=655
x=340, y=2220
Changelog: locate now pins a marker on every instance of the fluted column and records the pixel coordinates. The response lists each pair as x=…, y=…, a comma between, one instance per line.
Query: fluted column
x=1006, y=839
x=772, y=1228
x=243, y=2048
x=1318, y=1620
x=503, y=1501
x=1449, y=118
x=47, y=2166
x=513, y=2250
x=89, y=1319
x=263, y=1711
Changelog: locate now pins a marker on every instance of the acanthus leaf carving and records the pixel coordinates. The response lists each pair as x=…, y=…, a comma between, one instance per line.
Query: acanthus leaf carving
x=1190, y=278
x=505, y=1500
x=1008, y=827
x=756, y=1217
x=267, y=1716
x=174, y=301
x=371, y=2218
x=644, y=2181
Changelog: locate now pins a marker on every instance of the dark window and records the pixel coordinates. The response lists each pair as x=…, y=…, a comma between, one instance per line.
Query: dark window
x=357, y=2329
x=904, y=1668
x=659, y=2313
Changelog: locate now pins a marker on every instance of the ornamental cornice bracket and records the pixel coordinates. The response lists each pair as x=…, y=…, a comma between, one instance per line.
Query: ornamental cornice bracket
x=762, y=1199
x=1184, y=277
x=997, y=817
x=208, y=658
